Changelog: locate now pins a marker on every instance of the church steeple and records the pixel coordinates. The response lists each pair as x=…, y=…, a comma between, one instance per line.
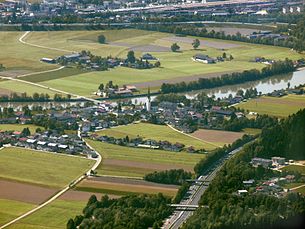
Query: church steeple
x=148, y=103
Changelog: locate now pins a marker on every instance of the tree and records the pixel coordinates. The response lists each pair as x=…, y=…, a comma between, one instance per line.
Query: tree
x=158, y=64
x=231, y=57
x=26, y=132
x=196, y=43
x=224, y=55
x=131, y=57
x=71, y=224
x=101, y=39
x=101, y=87
x=175, y=47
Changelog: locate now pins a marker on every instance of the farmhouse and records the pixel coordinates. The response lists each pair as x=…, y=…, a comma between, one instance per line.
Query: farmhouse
x=266, y=163
x=48, y=60
x=204, y=59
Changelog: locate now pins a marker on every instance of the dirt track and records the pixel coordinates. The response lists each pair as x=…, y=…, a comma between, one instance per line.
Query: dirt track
x=24, y=192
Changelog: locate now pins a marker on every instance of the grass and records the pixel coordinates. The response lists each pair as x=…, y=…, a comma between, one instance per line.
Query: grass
x=295, y=168
x=301, y=190
x=252, y=131
x=280, y=107
x=18, y=127
x=123, y=189
x=173, y=64
x=53, y=216
x=10, y=209
x=20, y=87
x=292, y=185
x=141, y=159
x=48, y=169
x=156, y=132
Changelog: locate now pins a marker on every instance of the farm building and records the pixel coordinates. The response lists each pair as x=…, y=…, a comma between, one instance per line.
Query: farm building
x=148, y=56
x=204, y=59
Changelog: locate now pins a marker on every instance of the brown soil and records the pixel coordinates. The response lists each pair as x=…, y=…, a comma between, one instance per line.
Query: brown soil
x=145, y=165
x=82, y=196
x=24, y=192
x=14, y=73
x=217, y=136
x=5, y=92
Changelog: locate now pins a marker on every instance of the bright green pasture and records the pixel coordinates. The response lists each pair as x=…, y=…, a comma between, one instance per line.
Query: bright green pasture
x=156, y=132
x=173, y=65
x=20, y=87
x=48, y=169
x=281, y=107
x=140, y=157
x=53, y=216
x=10, y=209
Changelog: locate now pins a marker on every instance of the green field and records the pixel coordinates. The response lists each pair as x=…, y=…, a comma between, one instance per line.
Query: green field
x=156, y=132
x=301, y=190
x=136, y=162
x=295, y=168
x=48, y=169
x=55, y=215
x=281, y=107
x=10, y=209
x=178, y=66
x=18, y=127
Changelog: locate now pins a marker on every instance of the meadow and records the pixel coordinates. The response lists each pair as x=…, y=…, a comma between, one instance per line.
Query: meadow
x=136, y=162
x=47, y=169
x=18, y=127
x=158, y=133
x=295, y=168
x=280, y=107
x=10, y=209
x=175, y=67
x=53, y=216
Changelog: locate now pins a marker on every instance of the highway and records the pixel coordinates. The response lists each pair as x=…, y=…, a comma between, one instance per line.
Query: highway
x=195, y=192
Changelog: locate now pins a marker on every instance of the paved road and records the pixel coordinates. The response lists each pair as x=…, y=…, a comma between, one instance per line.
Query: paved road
x=195, y=192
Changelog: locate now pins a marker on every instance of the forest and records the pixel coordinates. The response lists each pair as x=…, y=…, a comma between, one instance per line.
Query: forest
x=129, y=212
x=228, y=210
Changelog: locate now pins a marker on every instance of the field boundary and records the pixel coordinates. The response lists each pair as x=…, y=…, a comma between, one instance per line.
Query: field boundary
x=57, y=195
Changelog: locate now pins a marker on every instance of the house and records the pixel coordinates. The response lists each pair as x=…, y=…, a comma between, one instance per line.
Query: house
x=242, y=192
x=48, y=60
x=203, y=58
x=148, y=56
x=248, y=182
x=278, y=161
x=266, y=163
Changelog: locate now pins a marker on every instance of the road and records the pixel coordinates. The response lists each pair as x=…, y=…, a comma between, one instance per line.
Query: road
x=195, y=192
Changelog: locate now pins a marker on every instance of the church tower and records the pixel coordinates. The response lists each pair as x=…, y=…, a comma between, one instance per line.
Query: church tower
x=148, y=103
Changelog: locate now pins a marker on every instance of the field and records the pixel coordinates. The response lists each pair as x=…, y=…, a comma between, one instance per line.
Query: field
x=281, y=107
x=158, y=133
x=136, y=162
x=53, y=216
x=295, y=168
x=18, y=127
x=10, y=209
x=217, y=137
x=123, y=186
x=47, y=169
x=175, y=67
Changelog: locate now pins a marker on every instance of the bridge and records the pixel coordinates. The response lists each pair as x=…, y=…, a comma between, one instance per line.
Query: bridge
x=185, y=207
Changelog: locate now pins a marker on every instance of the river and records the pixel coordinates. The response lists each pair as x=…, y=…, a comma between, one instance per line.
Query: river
x=264, y=86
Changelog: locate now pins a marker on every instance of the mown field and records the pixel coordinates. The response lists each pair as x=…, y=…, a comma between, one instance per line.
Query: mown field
x=175, y=67
x=281, y=107
x=53, y=216
x=10, y=209
x=47, y=169
x=136, y=162
x=158, y=133
x=295, y=168
x=18, y=127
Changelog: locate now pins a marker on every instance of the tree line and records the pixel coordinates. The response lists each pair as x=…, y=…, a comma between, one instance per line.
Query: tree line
x=24, y=97
x=278, y=67
x=173, y=176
